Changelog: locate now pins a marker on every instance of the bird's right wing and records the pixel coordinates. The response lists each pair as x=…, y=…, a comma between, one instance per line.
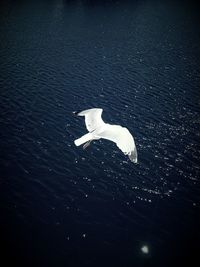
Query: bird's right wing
x=123, y=139
x=93, y=118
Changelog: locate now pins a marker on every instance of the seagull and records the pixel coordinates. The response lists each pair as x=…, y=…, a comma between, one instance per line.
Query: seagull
x=98, y=129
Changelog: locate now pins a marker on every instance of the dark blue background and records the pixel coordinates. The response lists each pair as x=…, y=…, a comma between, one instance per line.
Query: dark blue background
x=64, y=206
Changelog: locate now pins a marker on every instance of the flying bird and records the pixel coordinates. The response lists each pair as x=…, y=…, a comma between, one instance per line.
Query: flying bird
x=98, y=129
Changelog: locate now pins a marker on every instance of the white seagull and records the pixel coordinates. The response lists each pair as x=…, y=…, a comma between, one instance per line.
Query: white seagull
x=97, y=129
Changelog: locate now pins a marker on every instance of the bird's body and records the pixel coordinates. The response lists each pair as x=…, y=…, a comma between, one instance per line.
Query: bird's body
x=99, y=129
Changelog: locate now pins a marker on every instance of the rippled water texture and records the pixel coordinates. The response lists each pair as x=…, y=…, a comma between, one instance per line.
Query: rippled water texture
x=61, y=205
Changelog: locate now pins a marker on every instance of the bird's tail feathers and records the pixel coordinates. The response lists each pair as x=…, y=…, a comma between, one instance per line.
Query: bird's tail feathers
x=85, y=138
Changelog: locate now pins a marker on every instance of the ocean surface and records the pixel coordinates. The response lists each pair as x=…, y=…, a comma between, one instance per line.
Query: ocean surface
x=61, y=205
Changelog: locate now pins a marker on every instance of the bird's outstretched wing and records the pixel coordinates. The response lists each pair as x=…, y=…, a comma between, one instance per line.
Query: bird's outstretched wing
x=93, y=118
x=123, y=139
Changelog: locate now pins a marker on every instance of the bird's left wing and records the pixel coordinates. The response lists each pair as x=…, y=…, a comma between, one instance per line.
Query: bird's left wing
x=93, y=118
x=123, y=139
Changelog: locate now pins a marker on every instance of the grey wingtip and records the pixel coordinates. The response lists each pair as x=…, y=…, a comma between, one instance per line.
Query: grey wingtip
x=133, y=156
x=134, y=161
x=84, y=112
x=76, y=113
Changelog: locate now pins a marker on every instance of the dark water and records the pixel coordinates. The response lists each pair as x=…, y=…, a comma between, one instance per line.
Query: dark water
x=64, y=206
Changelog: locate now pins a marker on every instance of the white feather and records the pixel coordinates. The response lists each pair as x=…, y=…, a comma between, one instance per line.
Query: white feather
x=93, y=118
x=99, y=129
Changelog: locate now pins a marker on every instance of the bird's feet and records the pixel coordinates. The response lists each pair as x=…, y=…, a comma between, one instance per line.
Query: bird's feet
x=86, y=144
